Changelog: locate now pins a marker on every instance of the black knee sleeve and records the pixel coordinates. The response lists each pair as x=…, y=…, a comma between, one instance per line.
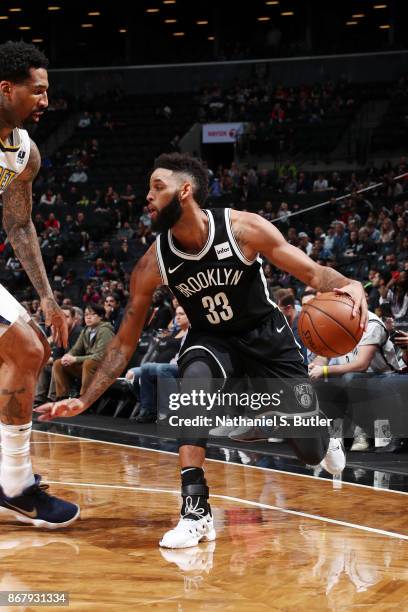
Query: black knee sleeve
x=201, y=367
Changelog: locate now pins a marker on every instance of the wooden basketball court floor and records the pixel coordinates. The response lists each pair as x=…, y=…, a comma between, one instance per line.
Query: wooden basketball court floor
x=285, y=542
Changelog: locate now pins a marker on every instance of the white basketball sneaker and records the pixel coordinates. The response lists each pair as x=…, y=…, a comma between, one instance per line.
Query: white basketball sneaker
x=335, y=459
x=189, y=532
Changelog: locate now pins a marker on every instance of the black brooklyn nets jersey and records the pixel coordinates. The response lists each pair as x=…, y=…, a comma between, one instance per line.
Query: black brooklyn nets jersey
x=220, y=290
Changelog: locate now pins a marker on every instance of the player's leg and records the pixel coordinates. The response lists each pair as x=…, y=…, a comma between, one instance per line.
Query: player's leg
x=196, y=522
x=313, y=445
x=22, y=355
x=271, y=353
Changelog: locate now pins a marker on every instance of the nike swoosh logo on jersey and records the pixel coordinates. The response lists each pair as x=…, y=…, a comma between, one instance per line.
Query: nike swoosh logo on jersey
x=29, y=513
x=279, y=329
x=171, y=270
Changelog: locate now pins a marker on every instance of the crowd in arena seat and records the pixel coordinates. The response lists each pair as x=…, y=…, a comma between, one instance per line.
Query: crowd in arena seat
x=282, y=118
x=92, y=236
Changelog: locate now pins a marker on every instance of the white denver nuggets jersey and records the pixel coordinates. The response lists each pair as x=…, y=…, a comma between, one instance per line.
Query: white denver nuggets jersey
x=14, y=154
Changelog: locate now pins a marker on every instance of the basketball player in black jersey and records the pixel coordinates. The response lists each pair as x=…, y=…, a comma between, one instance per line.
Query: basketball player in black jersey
x=209, y=259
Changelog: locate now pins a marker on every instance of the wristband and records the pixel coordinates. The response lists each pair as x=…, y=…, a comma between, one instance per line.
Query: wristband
x=325, y=372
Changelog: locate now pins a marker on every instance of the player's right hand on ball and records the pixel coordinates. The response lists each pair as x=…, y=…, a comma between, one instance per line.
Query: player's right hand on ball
x=64, y=408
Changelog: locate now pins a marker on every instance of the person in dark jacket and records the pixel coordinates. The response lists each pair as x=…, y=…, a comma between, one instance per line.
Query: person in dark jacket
x=113, y=310
x=46, y=385
x=145, y=377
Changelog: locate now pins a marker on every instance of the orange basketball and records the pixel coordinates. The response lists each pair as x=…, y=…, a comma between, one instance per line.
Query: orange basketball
x=326, y=325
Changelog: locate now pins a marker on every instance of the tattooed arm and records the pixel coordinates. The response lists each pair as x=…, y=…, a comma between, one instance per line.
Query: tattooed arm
x=144, y=280
x=256, y=235
x=17, y=206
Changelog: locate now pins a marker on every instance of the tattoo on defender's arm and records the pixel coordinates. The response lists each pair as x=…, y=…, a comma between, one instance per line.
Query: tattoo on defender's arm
x=17, y=205
x=111, y=366
x=12, y=412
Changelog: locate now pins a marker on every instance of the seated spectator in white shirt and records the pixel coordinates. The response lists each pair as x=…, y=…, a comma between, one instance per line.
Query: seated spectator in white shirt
x=375, y=353
x=48, y=198
x=78, y=176
x=320, y=184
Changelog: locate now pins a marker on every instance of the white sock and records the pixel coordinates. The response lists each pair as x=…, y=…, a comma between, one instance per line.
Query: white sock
x=16, y=472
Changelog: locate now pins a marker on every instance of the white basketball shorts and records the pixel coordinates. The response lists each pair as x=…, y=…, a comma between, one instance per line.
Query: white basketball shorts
x=10, y=309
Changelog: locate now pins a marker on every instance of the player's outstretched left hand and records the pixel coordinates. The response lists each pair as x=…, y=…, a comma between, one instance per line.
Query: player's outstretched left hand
x=64, y=408
x=356, y=291
x=55, y=318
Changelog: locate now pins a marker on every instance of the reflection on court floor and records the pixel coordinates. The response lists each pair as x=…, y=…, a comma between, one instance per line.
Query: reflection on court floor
x=285, y=542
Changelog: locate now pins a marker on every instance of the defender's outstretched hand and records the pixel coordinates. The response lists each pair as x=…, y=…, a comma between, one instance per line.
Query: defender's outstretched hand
x=55, y=318
x=64, y=408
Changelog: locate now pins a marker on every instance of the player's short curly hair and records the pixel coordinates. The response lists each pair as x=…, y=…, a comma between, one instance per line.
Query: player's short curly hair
x=16, y=59
x=186, y=164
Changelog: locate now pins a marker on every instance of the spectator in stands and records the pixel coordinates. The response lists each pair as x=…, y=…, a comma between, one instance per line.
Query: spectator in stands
x=123, y=254
x=341, y=239
x=173, y=326
x=329, y=239
x=85, y=120
x=379, y=289
x=318, y=251
x=113, y=310
x=401, y=231
x=278, y=114
x=91, y=295
x=392, y=265
x=79, y=316
x=45, y=390
x=83, y=200
x=375, y=353
x=373, y=231
x=364, y=246
x=163, y=366
x=106, y=252
x=145, y=217
x=79, y=175
x=286, y=303
x=48, y=198
x=15, y=268
x=129, y=198
x=82, y=360
x=39, y=223
x=320, y=184
x=284, y=213
x=58, y=270
x=399, y=298
x=52, y=222
x=403, y=254
x=81, y=228
x=401, y=341
x=387, y=232
x=304, y=243
x=303, y=183
x=159, y=314
x=100, y=269
x=126, y=232
x=269, y=275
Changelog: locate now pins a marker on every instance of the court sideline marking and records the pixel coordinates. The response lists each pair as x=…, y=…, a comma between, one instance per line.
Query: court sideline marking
x=241, y=465
x=316, y=517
